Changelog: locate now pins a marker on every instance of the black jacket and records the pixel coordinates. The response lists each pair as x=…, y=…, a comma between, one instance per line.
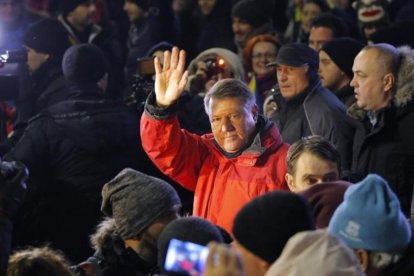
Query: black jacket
x=72, y=149
x=316, y=111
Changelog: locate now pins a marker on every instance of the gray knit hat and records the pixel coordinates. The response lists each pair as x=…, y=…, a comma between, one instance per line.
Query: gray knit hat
x=135, y=200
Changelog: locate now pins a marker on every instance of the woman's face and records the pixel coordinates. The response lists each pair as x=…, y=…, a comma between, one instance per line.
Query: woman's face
x=263, y=53
x=309, y=12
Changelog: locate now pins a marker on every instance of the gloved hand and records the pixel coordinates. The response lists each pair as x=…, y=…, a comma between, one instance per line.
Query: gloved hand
x=12, y=186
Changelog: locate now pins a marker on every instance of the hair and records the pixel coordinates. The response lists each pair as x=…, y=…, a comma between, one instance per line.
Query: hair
x=229, y=88
x=42, y=261
x=321, y=3
x=316, y=145
x=388, y=56
x=248, y=49
x=332, y=22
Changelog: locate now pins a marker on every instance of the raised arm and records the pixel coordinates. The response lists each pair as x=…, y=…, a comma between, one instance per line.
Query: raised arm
x=170, y=78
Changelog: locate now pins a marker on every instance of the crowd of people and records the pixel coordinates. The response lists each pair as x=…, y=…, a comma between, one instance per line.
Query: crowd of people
x=276, y=134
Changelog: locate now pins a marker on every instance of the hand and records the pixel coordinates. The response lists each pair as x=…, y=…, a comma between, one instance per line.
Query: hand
x=12, y=186
x=170, y=80
x=222, y=261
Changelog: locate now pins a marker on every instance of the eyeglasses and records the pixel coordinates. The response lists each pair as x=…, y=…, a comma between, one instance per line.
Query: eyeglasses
x=264, y=55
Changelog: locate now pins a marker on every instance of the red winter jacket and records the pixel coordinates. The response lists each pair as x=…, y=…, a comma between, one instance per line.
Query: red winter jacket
x=222, y=185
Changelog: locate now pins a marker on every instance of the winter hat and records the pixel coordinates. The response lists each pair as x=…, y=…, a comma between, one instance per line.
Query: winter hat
x=368, y=215
x=297, y=54
x=251, y=12
x=135, y=200
x=266, y=223
x=325, y=198
x=315, y=253
x=67, y=6
x=47, y=36
x=84, y=63
x=192, y=229
x=343, y=51
x=161, y=46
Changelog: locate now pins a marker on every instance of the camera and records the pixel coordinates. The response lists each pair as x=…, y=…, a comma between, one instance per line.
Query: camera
x=14, y=56
x=215, y=66
x=146, y=67
x=185, y=258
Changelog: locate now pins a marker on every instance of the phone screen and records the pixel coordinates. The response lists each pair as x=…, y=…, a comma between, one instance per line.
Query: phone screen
x=185, y=257
x=146, y=67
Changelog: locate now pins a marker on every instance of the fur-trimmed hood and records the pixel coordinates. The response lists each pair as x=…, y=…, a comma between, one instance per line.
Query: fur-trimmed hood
x=404, y=86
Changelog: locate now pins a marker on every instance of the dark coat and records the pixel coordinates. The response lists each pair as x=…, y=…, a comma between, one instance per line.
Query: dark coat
x=316, y=111
x=72, y=149
x=388, y=148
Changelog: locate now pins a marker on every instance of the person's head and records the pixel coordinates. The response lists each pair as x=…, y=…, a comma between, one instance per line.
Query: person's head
x=316, y=252
x=135, y=9
x=375, y=74
x=84, y=64
x=80, y=13
x=158, y=50
x=325, y=27
x=324, y=199
x=10, y=11
x=372, y=15
x=206, y=6
x=38, y=261
x=258, y=52
x=310, y=10
x=141, y=206
x=43, y=41
x=189, y=229
x=264, y=225
x=233, y=114
x=231, y=66
x=296, y=67
x=335, y=62
x=371, y=222
x=311, y=160
x=247, y=16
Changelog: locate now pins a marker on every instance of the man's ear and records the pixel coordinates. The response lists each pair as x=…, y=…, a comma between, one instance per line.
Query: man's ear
x=290, y=182
x=363, y=257
x=389, y=81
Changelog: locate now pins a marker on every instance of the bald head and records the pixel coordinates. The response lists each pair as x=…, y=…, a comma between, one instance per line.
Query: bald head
x=387, y=55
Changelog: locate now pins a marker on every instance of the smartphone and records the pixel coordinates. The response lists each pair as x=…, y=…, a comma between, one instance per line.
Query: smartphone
x=146, y=67
x=186, y=258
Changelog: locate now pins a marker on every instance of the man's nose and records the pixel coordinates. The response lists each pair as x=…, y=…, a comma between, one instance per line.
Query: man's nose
x=227, y=125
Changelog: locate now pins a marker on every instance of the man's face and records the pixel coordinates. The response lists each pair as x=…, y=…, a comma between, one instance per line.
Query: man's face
x=35, y=59
x=309, y=12
x=133, y=11
x=83, y=15
x=263, y=53
x=318, y=36
x=368, y=81
x=149, y=238
x=310, y=170
x=253, y=265
x=10, y=11
x=242, y=31
x=331, y=76
x=292, y=80
x=232, y=122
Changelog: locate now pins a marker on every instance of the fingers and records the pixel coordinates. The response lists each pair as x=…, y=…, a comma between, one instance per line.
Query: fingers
x=174, y=58
x=157, y=66
x=167, y=60
x=183, y=81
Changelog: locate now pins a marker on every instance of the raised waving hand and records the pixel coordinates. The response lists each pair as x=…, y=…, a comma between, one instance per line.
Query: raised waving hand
x=170, y=78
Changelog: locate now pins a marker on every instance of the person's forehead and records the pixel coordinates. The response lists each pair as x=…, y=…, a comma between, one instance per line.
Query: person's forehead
x=321, y=31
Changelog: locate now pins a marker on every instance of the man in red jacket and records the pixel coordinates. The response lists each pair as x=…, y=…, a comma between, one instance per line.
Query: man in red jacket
x=244, y=157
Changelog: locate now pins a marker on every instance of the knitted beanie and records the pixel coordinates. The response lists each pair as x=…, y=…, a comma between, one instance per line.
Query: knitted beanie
x=252, y=12
x=325, y=198
x=47, y=36
x=265, y=224
x=192, y=229
x=67, y=6
x=84, y=63
x=370, y=218
x=343, y=51
x=135, y=200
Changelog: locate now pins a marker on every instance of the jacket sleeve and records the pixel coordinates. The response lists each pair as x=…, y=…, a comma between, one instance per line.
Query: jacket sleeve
x=176, y=152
